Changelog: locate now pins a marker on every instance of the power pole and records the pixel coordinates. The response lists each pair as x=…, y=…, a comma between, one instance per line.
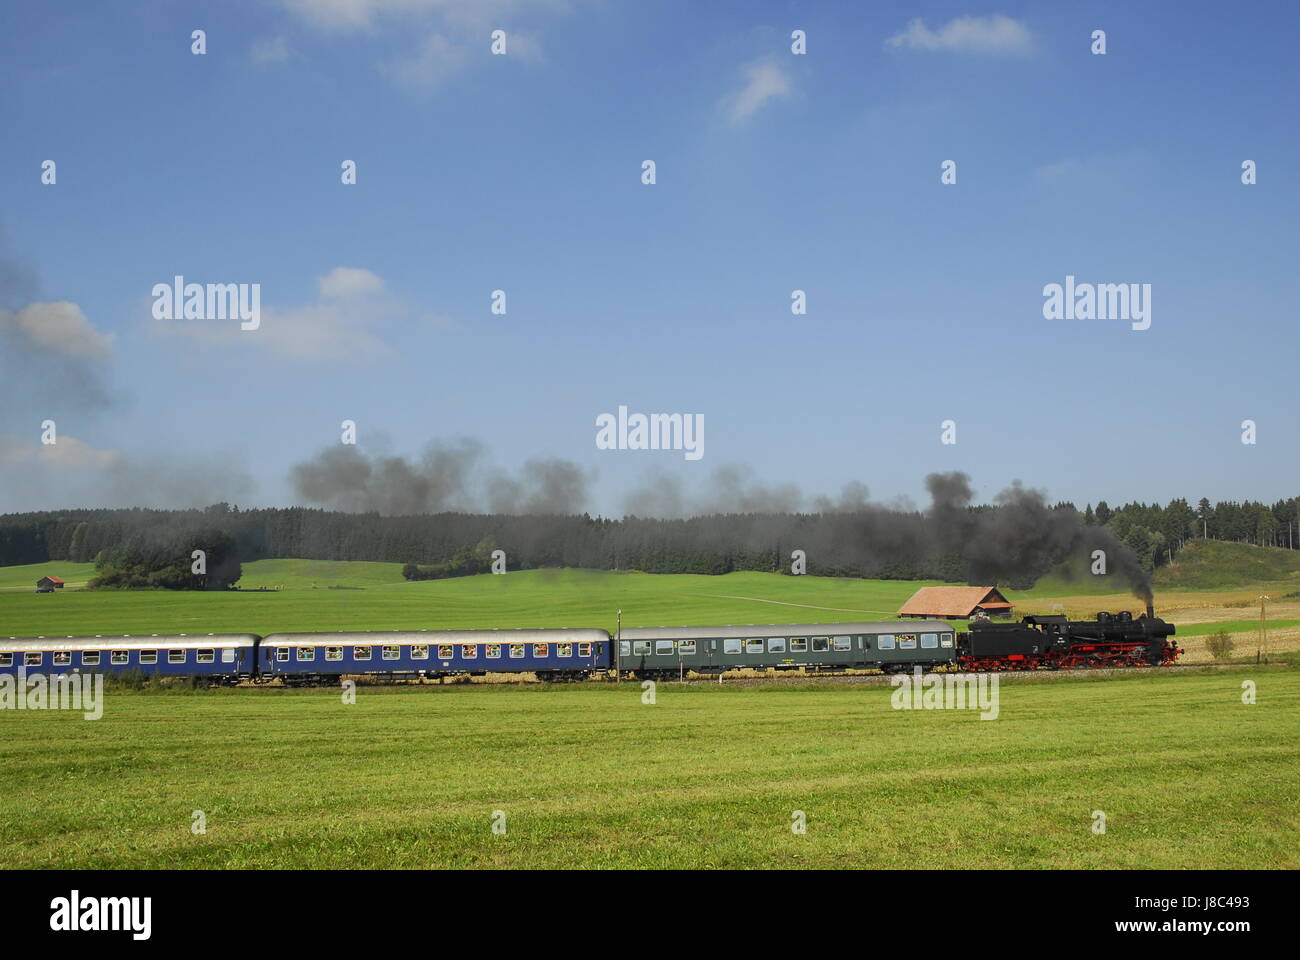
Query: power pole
x=1262, y=645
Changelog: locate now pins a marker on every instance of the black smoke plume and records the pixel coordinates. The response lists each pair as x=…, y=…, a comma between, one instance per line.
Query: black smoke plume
x=447, y=477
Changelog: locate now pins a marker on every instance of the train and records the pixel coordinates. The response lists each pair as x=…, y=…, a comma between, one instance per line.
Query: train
x=563, y=655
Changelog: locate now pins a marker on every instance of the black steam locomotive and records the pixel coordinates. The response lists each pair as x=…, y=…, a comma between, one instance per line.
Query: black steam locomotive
x=1054, y=642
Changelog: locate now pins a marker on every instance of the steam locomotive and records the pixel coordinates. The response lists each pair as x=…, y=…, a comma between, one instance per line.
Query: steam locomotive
x=1056, y=643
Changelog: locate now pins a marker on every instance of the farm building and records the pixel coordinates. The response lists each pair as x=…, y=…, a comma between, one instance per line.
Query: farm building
x=945, y=603
x=48, y=584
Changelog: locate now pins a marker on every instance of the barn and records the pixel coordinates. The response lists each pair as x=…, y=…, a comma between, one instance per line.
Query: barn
x=946, y=603
x=48, y=584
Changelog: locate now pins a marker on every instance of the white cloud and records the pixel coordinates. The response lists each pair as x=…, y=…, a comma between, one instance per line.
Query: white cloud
x=68, y=453
x=349, y=282
x=992, y=34
x=357, y=15
x=763, y=81
x=345, y=322
x=38, y=476
x=436, y=59
x=267, y=50
x=439, y=37
x=59, y=327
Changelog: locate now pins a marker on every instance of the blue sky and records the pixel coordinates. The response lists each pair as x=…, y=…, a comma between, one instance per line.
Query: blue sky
x=775, y=172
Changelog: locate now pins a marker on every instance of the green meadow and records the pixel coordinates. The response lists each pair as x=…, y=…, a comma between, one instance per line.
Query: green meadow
x=373, y=596
x=590, y=776
x=1186, y=775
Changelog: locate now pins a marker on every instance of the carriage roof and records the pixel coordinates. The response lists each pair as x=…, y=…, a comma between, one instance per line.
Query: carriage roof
x=139, y=641
x=783, y=630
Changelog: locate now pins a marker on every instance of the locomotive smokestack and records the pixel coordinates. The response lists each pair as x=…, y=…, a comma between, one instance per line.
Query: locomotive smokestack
x=1151, y=610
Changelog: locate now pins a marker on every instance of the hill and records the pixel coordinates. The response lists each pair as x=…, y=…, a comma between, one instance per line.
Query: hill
x=1220, y=565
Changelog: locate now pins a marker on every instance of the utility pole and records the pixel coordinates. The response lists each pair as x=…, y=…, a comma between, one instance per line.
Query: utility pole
x=1262, y=644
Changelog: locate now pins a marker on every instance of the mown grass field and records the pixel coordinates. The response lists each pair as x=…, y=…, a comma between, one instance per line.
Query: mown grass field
x=707, y=776
x=589, y=776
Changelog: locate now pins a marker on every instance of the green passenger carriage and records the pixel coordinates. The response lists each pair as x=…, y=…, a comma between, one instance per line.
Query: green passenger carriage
x=892, y=646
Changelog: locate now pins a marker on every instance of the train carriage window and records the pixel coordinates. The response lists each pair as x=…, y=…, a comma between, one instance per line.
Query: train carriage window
x=842, y=643
x=206, y=656
x=119, y=657
x=754, y=645
x=176, y=656
x=821, y=644
x=228, y=655
x=640, y=648
x=686, y=648
x=32, y=659
x=494, y=651
x=63, y=658
x=306, y=654
x=90, y=658
x=390, y=652
x=664, y=648
x=946, y=640
x=906, y=641
x=929, y=641
x=584, y=649
x=861, y=641
x=333, y=653
x=362, y=653
x=625, y=648
x=564, y=649
x=516, y=651
x=282, y=653
x=148, y=656
x=6, y=659
x=798, y=644
x=420, y=651
x=731, y=646
x=776, y=644
x=539, y=651
x=469, y=651
x=885, y=641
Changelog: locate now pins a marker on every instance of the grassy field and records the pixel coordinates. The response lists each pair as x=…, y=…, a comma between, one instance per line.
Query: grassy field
x=527, y=598
x=707, y=776
x=22, y=579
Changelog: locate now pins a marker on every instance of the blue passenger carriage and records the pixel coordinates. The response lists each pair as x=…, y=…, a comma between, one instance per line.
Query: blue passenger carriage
x=298, y=658
x=225, y=657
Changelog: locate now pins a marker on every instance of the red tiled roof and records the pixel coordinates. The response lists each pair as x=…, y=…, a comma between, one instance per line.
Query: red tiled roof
x=953, y=601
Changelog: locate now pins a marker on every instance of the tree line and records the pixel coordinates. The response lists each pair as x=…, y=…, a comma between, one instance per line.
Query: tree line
x=139, y=547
